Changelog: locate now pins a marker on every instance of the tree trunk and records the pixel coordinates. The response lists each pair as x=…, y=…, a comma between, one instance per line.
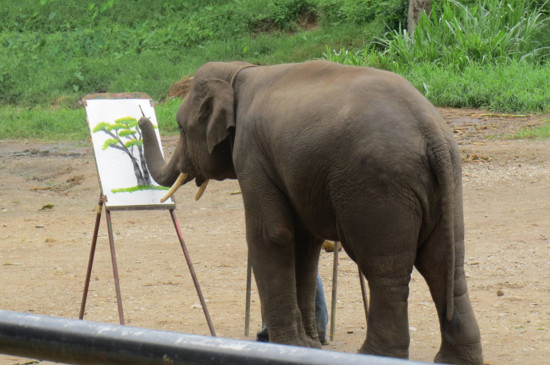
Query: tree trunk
x=416, y=8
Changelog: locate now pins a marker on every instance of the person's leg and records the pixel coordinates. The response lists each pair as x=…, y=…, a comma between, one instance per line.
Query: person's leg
x=321, y=316
x=321, y=312
x=262, y=335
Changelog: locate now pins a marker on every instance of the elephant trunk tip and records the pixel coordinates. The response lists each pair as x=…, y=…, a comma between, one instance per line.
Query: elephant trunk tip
x=144, y=122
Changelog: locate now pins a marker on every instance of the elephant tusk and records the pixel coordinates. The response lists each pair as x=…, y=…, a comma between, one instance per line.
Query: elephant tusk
x=174, y=187
x=201, y=190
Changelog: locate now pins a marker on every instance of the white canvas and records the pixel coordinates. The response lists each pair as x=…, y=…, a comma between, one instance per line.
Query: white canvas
x=115, y=138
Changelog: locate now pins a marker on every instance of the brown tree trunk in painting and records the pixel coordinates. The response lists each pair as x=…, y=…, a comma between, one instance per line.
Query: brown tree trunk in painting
x=416, y=8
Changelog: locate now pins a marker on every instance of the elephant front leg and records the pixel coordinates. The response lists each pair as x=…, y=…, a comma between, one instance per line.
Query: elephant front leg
x=270, y=237
x=308, y=248
x=276, y=287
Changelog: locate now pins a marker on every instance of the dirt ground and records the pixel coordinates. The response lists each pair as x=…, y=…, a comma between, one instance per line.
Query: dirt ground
x=48, y=193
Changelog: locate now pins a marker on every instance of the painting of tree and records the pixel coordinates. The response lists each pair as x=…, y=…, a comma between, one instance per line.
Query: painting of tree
x=125, y=136
x=124, y=179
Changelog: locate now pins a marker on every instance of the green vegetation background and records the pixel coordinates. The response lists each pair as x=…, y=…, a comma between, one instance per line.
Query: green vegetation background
x=477, y=53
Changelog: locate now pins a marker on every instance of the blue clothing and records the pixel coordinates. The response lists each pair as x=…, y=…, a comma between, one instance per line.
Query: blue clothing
x=321, y=316
x=321, y=312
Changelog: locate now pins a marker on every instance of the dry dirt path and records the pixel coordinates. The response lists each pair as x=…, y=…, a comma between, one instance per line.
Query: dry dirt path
x=48, y=192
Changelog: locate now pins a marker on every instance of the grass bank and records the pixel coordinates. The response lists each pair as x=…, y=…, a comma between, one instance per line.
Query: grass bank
x=53, y=52
x=53, y=123
x=478, y=53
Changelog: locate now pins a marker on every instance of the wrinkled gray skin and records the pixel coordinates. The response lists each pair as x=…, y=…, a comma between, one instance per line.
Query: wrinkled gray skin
x=326, y=151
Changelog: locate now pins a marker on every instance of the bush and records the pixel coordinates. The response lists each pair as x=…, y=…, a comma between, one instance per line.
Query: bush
x=460, y=35
x=286, y=13
x=389, y=13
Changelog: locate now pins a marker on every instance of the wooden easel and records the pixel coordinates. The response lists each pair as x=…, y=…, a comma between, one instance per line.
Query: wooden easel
x=104, y=204
x=100, y=207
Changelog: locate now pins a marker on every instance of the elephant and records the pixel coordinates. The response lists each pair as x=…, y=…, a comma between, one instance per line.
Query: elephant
x=345, y=153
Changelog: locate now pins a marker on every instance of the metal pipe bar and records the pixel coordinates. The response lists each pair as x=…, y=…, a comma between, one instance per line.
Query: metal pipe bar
x=364, y=292
x=74, y=341
x=334, y=289
x=193, y=274
x=248, y=297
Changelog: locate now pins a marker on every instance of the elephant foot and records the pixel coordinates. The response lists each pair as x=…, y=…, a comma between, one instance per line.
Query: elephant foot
x=303, y=341
x=384, y=350
x=313, y=343
x=460, y=354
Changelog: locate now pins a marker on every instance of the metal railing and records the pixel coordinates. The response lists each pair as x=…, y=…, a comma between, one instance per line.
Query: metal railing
x=82, y=342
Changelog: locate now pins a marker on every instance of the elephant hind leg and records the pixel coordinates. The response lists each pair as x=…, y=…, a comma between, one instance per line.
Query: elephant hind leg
x=384, y=247
x=387, y=322
x=460, y=338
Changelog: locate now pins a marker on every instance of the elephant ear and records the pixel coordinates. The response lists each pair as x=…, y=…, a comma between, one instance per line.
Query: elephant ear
x=217, y=111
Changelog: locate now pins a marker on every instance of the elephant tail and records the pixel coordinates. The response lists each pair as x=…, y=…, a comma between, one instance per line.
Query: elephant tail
x=442, y=157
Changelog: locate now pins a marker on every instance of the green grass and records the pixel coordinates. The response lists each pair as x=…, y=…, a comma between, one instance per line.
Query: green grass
x=52, y=123
x=166, y=116
x=43, y=122
x=510, y=87
x=539, y=133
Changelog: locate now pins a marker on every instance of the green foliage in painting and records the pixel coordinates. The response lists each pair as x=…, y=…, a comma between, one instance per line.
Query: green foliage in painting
x=125, y=136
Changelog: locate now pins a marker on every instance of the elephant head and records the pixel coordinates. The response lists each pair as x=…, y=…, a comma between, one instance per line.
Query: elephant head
x=206, y=122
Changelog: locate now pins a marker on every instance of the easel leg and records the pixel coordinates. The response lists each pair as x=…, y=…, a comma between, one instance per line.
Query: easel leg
x=364, y=292
x=193, y=275
x=91, y=259
x=334, y=287
x=115, y=268
x=247, y=303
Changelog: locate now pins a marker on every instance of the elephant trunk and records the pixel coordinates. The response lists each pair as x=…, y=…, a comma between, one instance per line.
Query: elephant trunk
x=164, y=174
